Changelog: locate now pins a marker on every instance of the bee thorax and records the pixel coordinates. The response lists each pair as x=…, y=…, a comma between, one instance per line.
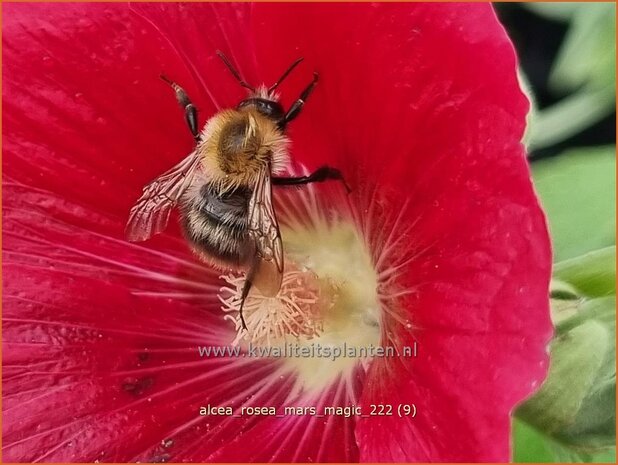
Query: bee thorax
x=237, y=144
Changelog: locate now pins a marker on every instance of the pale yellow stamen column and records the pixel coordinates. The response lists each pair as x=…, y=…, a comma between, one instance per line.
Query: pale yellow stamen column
x=328, y=298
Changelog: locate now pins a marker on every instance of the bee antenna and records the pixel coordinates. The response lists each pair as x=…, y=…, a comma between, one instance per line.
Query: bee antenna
x=284, y=75
x=234, y=72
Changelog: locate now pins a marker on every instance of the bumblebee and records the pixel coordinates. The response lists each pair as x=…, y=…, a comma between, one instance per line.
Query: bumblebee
x=223, y=189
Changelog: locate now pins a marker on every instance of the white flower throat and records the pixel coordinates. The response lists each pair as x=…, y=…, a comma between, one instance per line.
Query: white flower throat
x=328, y=298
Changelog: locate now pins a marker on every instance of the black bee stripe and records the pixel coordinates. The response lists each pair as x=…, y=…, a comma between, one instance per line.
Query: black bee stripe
x=216, y=224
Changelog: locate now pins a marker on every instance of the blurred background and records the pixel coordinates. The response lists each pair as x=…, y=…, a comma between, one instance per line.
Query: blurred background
x=567, y=55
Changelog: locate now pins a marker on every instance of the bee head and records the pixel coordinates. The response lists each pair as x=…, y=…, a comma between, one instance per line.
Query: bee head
x=265, y=105
x=263, y=99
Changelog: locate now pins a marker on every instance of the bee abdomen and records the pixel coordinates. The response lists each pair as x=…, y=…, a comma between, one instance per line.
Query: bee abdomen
x=216, y=225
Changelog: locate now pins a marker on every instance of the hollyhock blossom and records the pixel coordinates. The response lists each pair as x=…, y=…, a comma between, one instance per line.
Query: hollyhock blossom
x=440, y=246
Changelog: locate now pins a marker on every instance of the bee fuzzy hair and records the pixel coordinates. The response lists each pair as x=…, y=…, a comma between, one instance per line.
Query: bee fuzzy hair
x=230, y=163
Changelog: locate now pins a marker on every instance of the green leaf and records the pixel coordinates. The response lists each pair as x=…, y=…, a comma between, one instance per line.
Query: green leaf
x=575, y=409
x=591, y=275
x=602, y=310
x=569, y=116
x=577, y=190
x=558, y=11
x=608, y=456
x=587, y=56
x=594, y=426
x=572, y=418
x=585, y=65
x=576, y=359
x=532, y=446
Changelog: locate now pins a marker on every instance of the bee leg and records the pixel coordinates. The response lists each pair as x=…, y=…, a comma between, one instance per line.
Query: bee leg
x=185, y=102
x=323, y=173
x=294, y=110
x=245, y=291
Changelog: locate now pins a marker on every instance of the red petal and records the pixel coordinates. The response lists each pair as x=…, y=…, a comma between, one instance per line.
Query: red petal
x=101, y=332
x=110, y=347
x=304, y=438
x=417, y=102
x=463, y=388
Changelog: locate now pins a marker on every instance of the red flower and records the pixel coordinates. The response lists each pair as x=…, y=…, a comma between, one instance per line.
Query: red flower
x=441, y=242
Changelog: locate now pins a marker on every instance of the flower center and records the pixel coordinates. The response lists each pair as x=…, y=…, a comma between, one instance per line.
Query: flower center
x=326, y=316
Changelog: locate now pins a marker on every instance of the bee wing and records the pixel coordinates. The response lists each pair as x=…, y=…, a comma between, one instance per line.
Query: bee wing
x=264, y=230
x=151, y=212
